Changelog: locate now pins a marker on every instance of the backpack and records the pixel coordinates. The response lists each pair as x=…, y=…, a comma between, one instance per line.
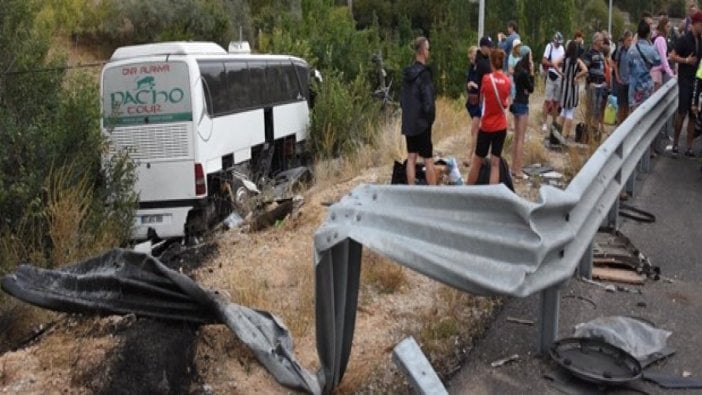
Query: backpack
x=505, y=175
x=544, y=70
x=399, y=173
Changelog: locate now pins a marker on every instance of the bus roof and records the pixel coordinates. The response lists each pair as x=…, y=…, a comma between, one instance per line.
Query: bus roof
x=168, y=48
x=200, y=50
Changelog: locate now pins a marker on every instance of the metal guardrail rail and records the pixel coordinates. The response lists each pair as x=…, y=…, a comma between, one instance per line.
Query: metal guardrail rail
x=479, y=239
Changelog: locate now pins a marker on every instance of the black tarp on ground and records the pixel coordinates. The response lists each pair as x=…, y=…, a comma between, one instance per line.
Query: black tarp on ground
x=123, y=282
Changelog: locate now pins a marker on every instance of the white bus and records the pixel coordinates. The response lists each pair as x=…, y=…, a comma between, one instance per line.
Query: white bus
x=195, y=118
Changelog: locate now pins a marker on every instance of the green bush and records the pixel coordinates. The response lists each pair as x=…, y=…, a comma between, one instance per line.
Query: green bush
x=344, y=117
x=52, y=144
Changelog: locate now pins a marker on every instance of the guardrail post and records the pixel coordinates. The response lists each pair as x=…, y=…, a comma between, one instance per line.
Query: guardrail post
x=409, y=358
x=631, y=184
x=548, y=320
x=585, y=267
x=612, y=220
x=646, y=161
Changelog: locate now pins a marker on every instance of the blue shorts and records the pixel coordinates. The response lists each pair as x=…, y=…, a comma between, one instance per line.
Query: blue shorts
x=519, y=109
x=475, y=111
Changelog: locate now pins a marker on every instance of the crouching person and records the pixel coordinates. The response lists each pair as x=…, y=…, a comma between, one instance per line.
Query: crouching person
x=495, y=89
x=418, y=112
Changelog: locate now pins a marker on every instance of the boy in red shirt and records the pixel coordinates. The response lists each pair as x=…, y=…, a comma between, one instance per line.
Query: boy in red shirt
x=495, y=90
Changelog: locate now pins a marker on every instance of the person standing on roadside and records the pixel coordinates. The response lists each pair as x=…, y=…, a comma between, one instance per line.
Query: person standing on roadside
x=620, y=65
x=523, y=78
x=686, y=54
x=495, y=90
x=573, y=69
x=506, y=42
x=553, y=53
x=596, y=87
x=643, y=56
x=687, y=23
x=661, y=73
x=418, y=112
x=579, y=38
x=479, y=66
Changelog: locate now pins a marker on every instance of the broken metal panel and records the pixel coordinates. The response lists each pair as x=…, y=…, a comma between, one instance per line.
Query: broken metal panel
x=480, y=239
x=410, y=358
x=445, y=233
x=118, y=282
x=339, y=279
x=124, y=282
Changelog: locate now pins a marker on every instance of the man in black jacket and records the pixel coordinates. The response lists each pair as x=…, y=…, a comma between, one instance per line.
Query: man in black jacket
x=418, y=112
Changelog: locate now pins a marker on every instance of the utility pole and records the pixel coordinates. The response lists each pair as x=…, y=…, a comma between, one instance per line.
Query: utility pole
x=481, y=19
x=609, y=25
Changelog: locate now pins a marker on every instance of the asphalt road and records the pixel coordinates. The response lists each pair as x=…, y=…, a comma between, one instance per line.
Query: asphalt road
x=673, y=192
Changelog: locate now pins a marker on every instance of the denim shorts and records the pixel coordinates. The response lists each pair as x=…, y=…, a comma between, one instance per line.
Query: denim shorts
x=519, y=109
x=475, y=111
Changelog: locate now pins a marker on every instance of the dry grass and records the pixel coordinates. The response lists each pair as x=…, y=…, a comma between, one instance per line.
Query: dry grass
x=452, y=321
x=67, y=209
x=389, y=145
x=66, y=214
x=251, y=287
x=534, y=150
x=387, y=277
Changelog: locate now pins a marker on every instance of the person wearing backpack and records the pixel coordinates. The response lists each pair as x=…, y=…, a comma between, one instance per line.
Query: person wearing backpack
x=661, y=73
x=643, y=56
x=554, y=52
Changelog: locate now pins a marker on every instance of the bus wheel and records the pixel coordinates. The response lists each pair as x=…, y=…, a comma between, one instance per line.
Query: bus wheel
x=240, y=195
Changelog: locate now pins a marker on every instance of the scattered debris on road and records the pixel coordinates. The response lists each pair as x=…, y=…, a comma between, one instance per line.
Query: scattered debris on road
x=520, y=321
x=504, y=361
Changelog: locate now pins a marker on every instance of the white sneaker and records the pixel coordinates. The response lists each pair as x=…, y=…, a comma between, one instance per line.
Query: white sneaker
x=544, y=128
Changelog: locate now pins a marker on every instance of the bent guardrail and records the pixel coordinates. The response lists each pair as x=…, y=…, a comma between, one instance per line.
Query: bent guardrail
x=479, y=239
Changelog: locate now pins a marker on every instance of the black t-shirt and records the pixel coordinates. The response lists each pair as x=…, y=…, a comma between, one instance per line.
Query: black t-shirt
x=482, y=67
x=684, y=47
x=595, y=62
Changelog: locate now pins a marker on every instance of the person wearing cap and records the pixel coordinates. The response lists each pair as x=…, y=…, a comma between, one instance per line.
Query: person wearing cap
x=417, y=100
x=507, y=42
x=553, y=53
x=512, y=61
x=514, y=56
x=687, y=52
x=480, y=66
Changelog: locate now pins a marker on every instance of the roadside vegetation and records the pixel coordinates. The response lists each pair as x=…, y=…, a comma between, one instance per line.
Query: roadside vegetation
x=60, y=203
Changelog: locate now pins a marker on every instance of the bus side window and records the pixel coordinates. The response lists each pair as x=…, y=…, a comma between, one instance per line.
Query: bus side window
x=259, y=91
x=303, y=78
x=293, y=85
x=216, y=88
x=238, y=86
x=275, y=87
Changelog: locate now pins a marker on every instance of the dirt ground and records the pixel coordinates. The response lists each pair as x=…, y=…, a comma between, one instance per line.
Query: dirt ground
x=273, y=270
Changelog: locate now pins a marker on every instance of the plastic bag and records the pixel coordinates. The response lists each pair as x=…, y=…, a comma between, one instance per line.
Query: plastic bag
x=635, y=336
